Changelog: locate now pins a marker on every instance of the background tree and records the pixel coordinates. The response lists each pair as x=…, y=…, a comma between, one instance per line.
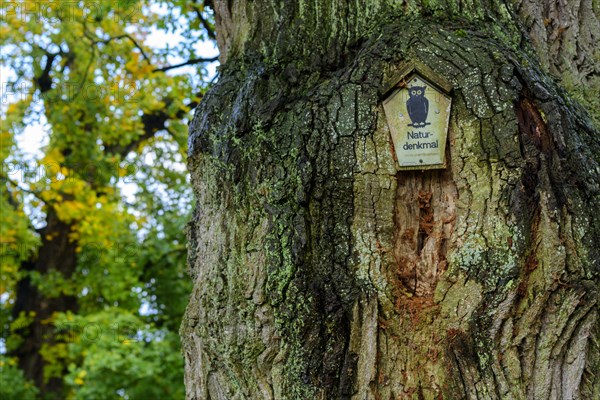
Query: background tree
x=322, y=272
x=93, y=285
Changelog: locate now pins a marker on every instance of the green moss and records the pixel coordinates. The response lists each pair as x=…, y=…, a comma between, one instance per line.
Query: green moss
x=460, y=33
x=585, y=93
x=489, y=257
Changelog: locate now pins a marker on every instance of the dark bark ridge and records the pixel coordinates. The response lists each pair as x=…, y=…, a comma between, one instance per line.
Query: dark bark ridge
x=323, y=272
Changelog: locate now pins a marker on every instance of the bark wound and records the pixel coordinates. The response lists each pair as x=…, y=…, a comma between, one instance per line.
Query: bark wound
x=531, y=123
x=424, y=217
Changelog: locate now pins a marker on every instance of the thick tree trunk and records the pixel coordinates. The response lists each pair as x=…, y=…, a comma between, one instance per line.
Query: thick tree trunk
x=57, y=254
x=323, y=272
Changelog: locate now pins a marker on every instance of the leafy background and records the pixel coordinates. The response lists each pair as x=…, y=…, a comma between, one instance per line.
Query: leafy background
x=94, y=197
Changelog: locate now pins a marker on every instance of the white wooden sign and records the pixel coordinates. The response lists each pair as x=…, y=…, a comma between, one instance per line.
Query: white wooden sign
x=418, y=115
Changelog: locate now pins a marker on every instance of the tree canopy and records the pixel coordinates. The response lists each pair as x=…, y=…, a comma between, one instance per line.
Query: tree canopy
x=93, y=281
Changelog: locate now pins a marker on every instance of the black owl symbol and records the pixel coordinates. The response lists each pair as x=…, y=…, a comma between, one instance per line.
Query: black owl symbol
x=417, y=106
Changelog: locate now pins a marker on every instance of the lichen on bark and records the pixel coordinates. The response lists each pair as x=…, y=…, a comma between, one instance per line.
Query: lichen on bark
x=321, y=271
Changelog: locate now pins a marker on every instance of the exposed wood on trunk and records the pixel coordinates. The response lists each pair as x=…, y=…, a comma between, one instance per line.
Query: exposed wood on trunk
x=421, y=235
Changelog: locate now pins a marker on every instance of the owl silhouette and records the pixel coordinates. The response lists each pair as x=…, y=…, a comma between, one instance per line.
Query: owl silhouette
x=417, y=106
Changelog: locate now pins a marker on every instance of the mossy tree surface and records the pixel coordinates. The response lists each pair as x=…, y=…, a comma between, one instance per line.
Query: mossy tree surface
x=323, y=272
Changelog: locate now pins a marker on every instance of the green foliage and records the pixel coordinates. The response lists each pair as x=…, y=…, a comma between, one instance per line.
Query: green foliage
x=110, y=184
x=13, y=385
x=114, y=353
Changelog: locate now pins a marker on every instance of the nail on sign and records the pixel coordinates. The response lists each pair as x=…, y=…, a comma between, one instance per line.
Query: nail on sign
x=418, y=114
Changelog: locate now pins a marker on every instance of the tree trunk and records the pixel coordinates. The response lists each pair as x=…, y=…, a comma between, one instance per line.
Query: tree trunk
x=321, y=271
x=57, y=254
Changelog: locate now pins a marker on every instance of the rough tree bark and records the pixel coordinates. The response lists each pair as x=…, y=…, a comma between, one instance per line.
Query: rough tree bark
x=322, y=272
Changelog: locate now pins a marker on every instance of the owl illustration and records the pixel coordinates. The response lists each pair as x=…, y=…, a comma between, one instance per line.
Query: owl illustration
x=417, y=106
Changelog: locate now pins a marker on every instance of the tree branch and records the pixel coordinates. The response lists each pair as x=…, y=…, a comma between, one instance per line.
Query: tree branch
x=135, y=43
x=95, y=41
x=210, y=30
x=152, y=123
x=193, y=61
x=44, y=81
